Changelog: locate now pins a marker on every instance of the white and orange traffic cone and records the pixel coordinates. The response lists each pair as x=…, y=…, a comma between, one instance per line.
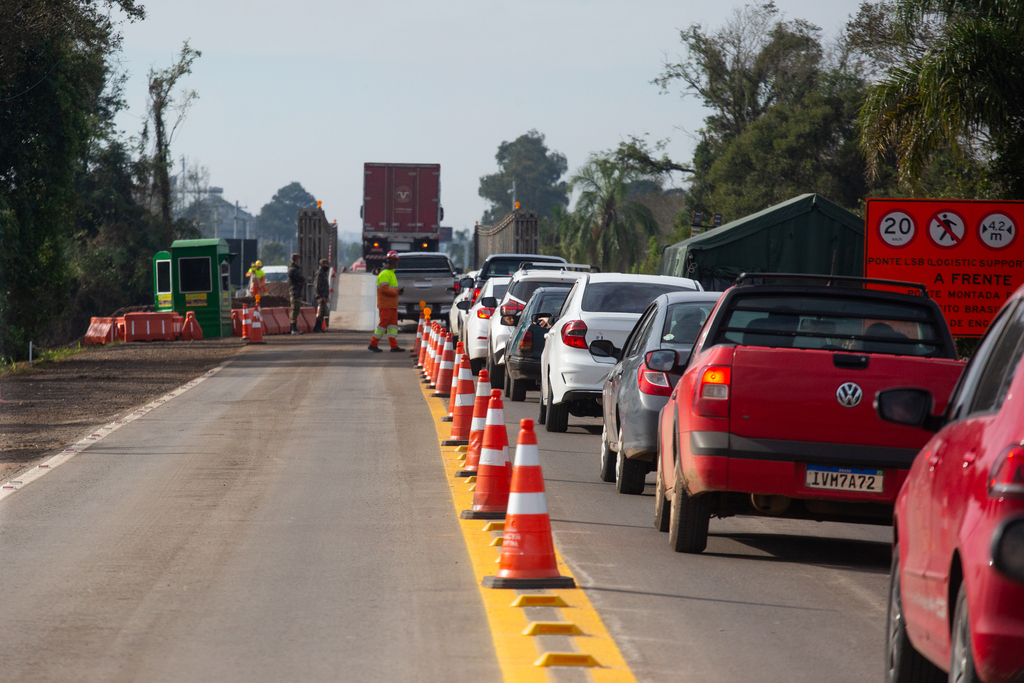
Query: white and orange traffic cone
x=428, y=369
x=435, y=369
x=490, y=498
x=455, y=384
x=256, y=337
x=422, y=359
x=419, y=337
x=527, y=550
x=246, y=322
x=462, y=406
x=446, y=370
x=477, y=424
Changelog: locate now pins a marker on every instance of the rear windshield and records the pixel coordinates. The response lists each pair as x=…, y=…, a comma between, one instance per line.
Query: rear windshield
x=499, y=291
x=832, y=323
x=408, y=263
x=523, y=289
x=551, y=302
x=624, y=297
x=506, y=267
x=277, y=277
x=683, y=322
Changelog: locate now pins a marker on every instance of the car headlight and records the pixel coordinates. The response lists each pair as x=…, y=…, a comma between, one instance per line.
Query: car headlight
x=1008, y=548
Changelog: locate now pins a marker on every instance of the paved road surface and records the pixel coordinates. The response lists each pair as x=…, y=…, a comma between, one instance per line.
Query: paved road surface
x=288, y=520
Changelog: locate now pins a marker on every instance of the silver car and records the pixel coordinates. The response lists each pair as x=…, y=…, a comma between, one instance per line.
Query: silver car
x=634, y=394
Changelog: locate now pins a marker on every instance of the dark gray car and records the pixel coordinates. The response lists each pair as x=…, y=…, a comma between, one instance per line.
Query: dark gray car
x=634, y=395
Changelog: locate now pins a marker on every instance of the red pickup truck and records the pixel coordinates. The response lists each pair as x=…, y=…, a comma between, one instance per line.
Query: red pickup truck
x=773, y=412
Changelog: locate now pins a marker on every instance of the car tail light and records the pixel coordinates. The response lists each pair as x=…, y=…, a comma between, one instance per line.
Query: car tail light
x=1006, y=478
x=457, y=287
x=476, y=293
x=574, y=334
x=712, y=396
x=652, y=383
x=511, y=308
x=484, y=313
x=526, y=343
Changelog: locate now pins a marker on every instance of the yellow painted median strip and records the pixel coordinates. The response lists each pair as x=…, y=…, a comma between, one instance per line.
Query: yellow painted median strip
x=524, y=657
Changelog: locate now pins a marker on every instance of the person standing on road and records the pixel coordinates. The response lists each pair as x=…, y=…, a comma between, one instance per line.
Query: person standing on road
x=387, y=304
x=322, y=286
x=295, y=285
x=257, y=281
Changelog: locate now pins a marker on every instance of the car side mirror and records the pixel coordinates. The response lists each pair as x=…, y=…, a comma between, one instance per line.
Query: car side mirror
x=489, y=302
x=910, y=407
x=464, y=305
x=466, y=282
x=603, y=348
x=661, y=360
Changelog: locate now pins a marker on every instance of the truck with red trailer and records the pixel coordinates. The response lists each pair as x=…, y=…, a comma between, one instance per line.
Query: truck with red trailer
x=401, y=210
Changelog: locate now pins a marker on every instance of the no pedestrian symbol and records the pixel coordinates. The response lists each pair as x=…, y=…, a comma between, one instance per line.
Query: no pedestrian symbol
x=997, y=231
x=946, y=229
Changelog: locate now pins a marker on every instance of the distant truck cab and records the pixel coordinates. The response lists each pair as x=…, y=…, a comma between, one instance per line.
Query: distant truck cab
x=401, y=210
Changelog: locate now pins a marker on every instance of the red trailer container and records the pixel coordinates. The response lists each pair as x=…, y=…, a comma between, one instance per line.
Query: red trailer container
x=401, y=209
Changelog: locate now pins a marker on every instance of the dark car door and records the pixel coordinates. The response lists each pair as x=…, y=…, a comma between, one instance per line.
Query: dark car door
x=619, y=378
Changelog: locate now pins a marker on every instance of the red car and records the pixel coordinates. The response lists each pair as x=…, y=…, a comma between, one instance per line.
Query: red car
x=956, y=596
x=769, y=416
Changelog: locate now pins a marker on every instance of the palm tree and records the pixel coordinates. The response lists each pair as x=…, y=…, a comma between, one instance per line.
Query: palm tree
x=958, y=85
x=607, y=225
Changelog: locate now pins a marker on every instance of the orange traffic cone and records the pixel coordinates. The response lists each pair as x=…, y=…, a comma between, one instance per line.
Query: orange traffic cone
x=419, y=337
x=246, y=322
x=477, y=424
x=431, y=354
x=190, y=330
x=256, y=337
x=435, y=369
x=462, y=406
x=527, y=550
x=422, y=359
x=490, y=498
x=455, y=385
x=445, y=370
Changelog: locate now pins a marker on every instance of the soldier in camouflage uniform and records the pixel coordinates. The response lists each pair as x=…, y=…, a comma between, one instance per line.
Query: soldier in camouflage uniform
x=322, y=287
x=295, y=285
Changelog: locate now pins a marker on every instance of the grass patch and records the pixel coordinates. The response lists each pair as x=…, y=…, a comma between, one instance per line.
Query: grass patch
x=42, y=358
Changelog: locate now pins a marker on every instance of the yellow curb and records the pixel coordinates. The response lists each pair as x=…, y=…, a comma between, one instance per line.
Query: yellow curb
x=552, y=628
x=527, y=600
x=565, y=659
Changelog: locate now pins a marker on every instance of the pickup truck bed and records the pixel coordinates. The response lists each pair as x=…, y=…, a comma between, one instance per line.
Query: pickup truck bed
x=773, y=413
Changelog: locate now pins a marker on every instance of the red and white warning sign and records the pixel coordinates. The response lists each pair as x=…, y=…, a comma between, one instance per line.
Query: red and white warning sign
x=966, y=252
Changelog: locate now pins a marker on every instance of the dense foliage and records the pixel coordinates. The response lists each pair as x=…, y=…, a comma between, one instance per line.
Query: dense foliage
x=278, y=217
x=537, y=173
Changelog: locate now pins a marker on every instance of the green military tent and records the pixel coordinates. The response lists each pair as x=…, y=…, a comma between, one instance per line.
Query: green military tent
x=807, y=234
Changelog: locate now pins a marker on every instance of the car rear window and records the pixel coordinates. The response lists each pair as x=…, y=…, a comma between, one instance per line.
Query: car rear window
x=624, y=297
x=551, y=302
x=506, y=267
x=410, y=263
x=683, y=322
x=524, y=289
x=832, y=323
x=498, y=291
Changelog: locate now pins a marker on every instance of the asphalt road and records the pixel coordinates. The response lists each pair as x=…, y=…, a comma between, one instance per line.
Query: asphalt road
x=288, y=520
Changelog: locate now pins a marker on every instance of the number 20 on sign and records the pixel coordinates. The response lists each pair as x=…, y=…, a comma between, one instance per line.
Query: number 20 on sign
x=965, y=252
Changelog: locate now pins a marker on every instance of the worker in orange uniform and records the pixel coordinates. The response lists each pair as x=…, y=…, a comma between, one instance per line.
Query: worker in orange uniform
x=387, y=303
x=257, y=281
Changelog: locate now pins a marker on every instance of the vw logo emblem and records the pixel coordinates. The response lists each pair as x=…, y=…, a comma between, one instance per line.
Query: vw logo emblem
x=849, y=395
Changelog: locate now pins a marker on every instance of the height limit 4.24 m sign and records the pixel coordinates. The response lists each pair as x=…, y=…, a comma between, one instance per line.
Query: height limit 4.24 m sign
x=968, y=253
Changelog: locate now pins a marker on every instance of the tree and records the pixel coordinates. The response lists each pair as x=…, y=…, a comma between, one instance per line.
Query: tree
x=274, y=254
x=536, y=172
x=278, y=219
x=956, y=85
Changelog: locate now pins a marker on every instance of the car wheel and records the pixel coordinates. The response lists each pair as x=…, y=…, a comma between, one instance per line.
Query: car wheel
x=688, y=519
x=961, y=665
x=476, y=365
x=661, y=507
x=542, y=415
x=508, y=385
x=558, y=415
x=607, y=458
x=903, y=664
x=497, y=372
x=516, y=389
x=629, y=474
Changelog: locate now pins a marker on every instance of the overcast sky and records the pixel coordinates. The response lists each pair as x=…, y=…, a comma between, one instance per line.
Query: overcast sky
x=309, y=90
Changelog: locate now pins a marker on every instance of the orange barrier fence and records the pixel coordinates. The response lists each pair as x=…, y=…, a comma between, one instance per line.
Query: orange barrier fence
x=149, y=327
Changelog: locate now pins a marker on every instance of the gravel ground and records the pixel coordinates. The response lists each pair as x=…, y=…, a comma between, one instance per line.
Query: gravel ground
x=47, y=408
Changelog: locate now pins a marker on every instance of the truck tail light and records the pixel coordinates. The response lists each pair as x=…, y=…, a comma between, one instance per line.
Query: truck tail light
x=574, y=334
x=526, y=343
x=511, y=308
x=1006, y=478
x=712, y=396
x=652, y=383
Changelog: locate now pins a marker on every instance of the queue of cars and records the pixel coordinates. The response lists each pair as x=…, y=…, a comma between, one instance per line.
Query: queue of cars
x=820, y=398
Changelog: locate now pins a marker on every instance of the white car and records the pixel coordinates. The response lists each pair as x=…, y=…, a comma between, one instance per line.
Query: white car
x=474, y=336
x=599, y=306
x=456, y=316
x=523, y=284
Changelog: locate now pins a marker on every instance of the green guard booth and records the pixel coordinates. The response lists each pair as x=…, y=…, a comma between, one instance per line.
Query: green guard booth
x=200, y=282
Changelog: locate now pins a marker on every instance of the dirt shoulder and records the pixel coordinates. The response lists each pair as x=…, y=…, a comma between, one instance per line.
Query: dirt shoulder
x=47, y=408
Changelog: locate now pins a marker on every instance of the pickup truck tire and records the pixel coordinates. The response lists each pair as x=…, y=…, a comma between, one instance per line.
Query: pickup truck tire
x=607, y=458
x=688, y=519
x=476, y=365
x=497, y=373
x=558, y=415
x=517, y=389
x=904, y=664
x=662, y=508
x=629, y=474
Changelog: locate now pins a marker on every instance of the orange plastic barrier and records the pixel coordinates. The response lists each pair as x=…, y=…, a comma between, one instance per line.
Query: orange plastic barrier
x=101, y=331
x=190, y=329
x=270, y=323
x=149, y=327
x=281, y=316
x=307, y=318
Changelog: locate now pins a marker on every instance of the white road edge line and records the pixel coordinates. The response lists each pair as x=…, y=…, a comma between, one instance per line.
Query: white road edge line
x=99, y=433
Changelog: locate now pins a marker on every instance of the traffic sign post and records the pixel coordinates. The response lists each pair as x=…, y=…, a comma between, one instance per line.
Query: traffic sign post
x=965, y=252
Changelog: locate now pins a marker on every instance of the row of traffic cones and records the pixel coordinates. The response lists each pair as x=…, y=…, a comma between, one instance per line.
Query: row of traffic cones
x=503, y=489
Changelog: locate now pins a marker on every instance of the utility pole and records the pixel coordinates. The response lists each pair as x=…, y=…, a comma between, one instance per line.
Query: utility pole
x=234, y=226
